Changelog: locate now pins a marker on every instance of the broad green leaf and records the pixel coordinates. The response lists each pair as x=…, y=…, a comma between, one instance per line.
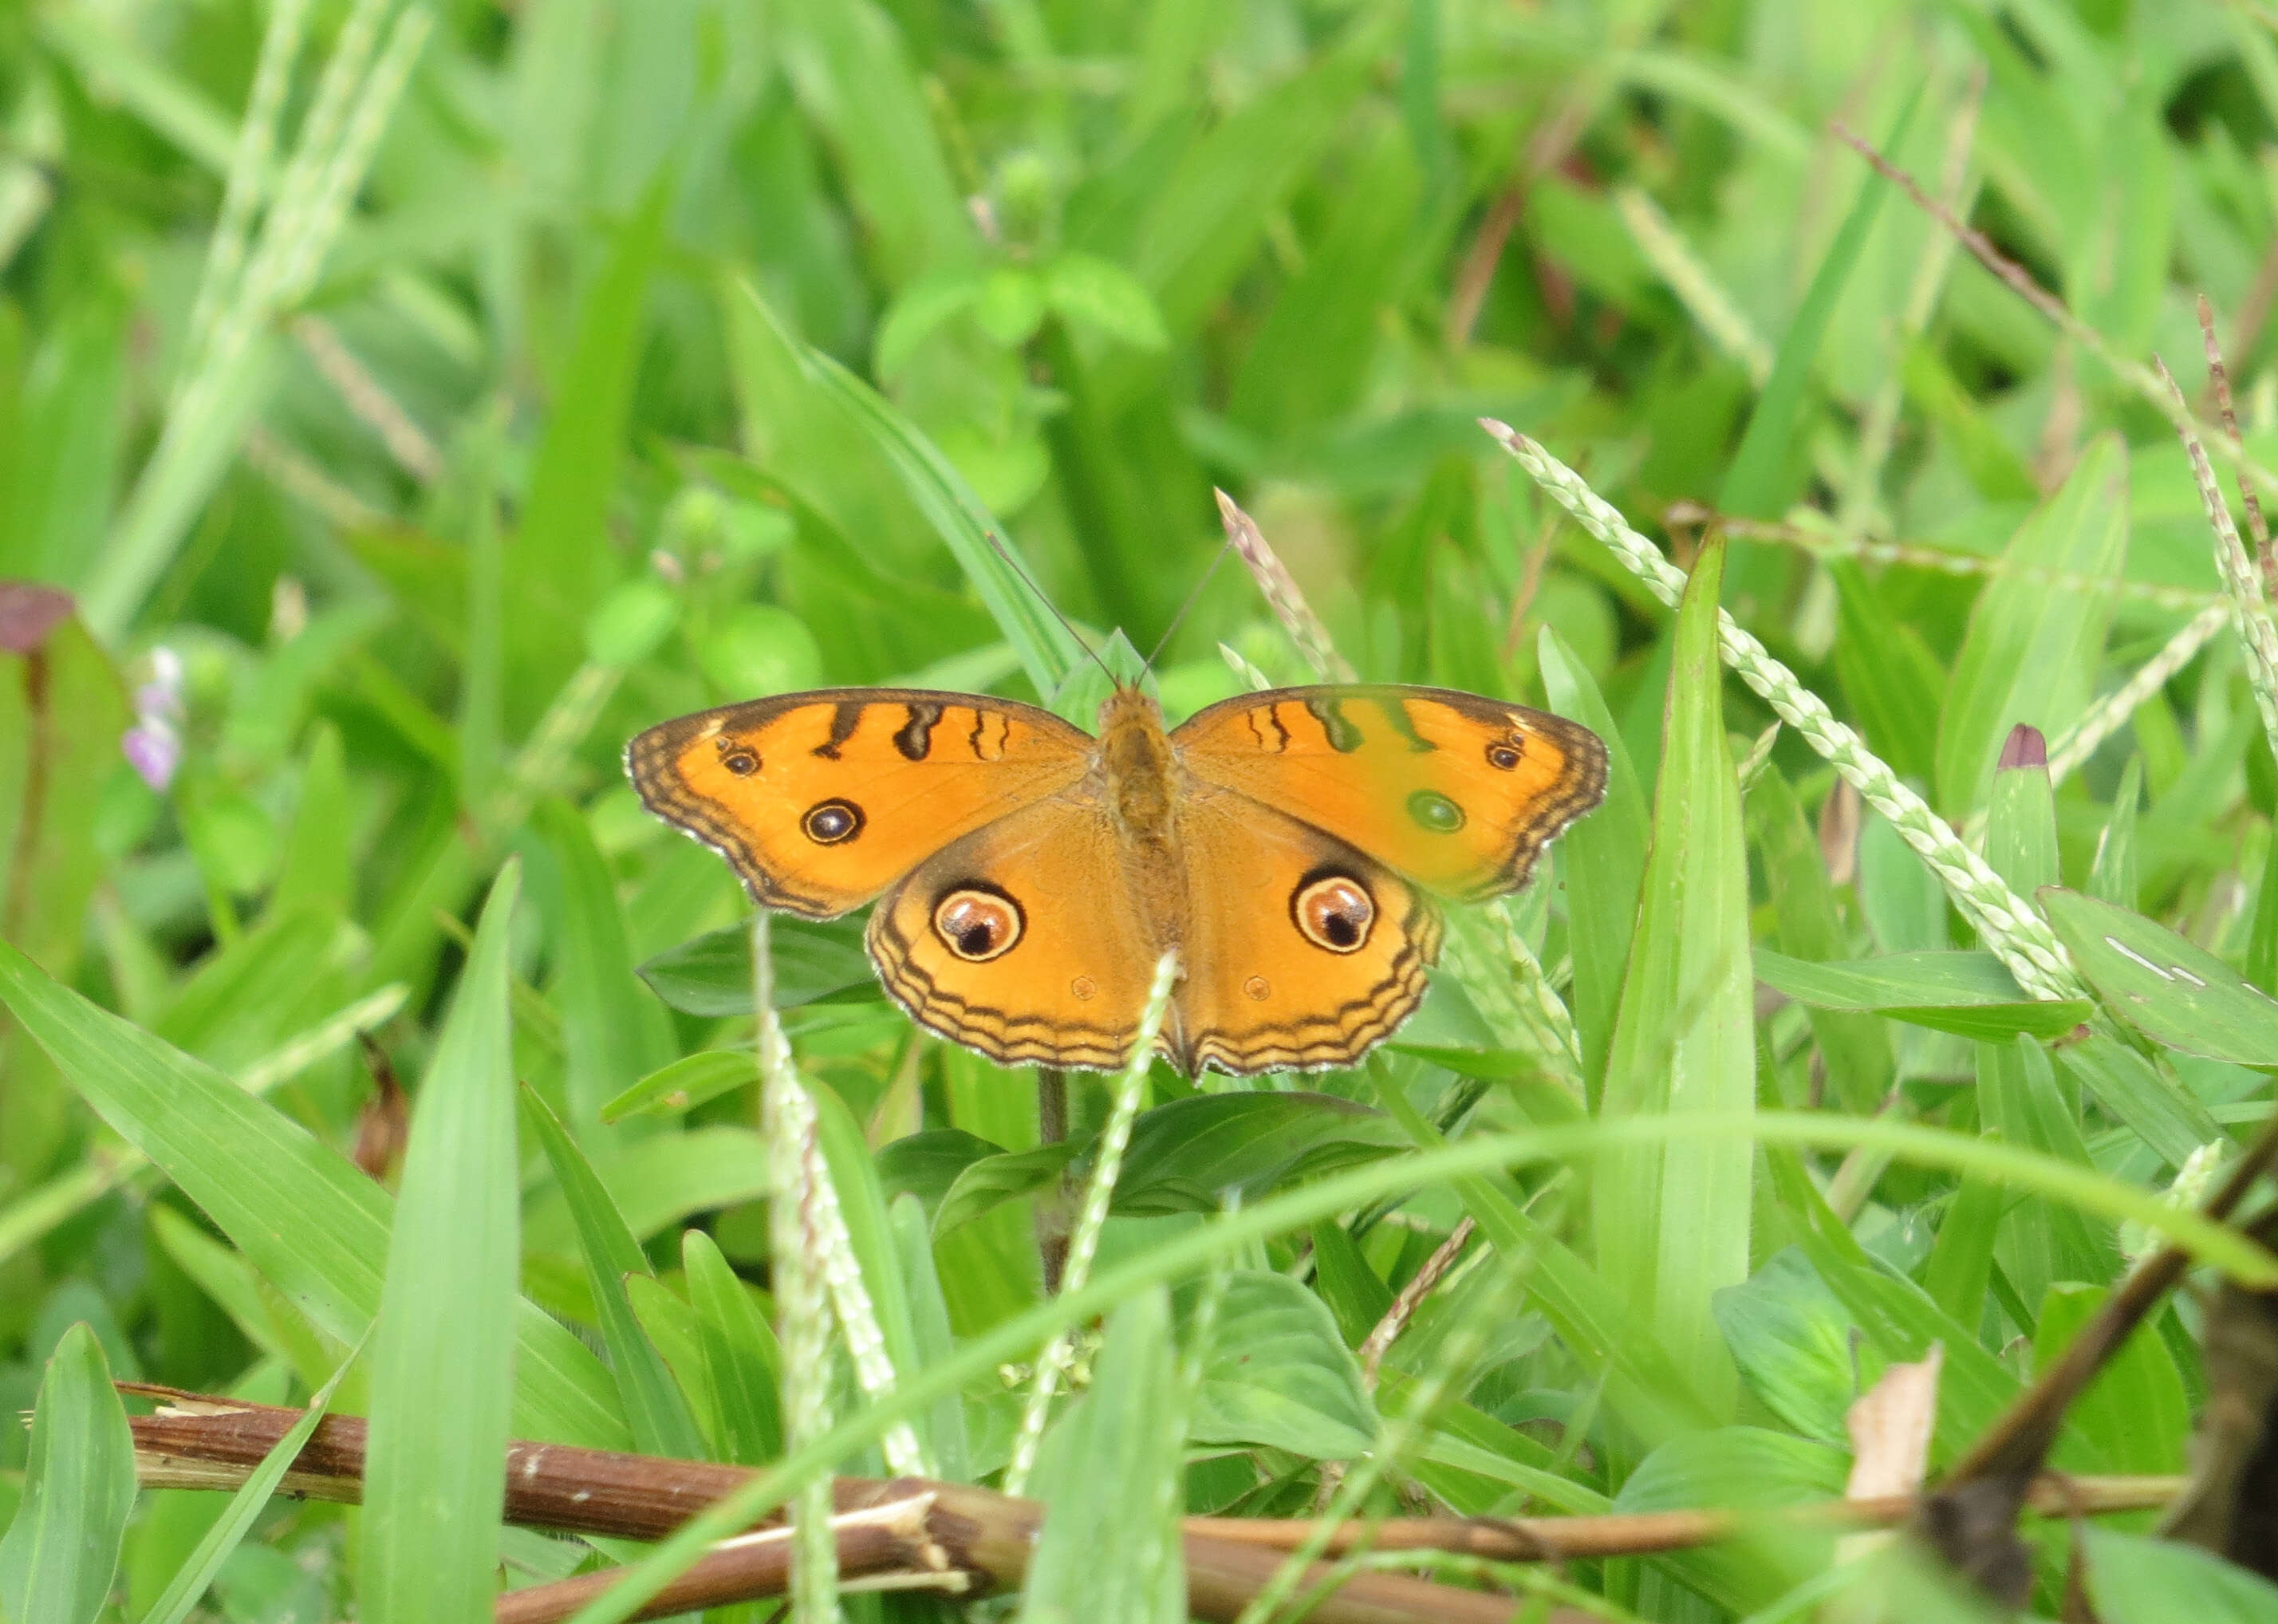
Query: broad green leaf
x=1278, y=1374
x=925, y=1165
x=854, y=78
x=1210, y=1146
x=62, y=1548
x=2137, y=1579
x=1670, y=1223
x=1796, y=1346
x=1601, y=859
x=442, y=1362
x=2032, y=649
x=257, y=1175
x=1203, y=223
x=660, y=1420
x=988, y=1184
x=1048, y=650
x=2171, y=991
x=1107, y=1474
x=711, y=975
x=1971, y=994
x=1087, y=292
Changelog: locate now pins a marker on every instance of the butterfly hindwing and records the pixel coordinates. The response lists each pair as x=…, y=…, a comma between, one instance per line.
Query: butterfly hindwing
x=1455, y=791
x=1300, y=952
x=821, y=801
x=1020, y=940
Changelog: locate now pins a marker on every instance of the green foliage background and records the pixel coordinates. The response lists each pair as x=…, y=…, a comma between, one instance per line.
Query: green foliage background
x=534, y=373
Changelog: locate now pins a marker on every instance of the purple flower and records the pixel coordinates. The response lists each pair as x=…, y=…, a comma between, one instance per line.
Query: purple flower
x=152, y=747
x=154, y=751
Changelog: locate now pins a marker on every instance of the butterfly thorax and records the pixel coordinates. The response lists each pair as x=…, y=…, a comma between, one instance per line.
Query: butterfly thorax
x=1140, y=789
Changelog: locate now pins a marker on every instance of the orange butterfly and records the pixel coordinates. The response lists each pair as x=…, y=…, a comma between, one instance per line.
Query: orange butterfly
x=1288, y=843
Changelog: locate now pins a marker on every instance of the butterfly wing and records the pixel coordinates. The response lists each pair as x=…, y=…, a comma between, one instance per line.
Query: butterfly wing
x=1455, y=791
x=1020, y=940
x=1300, y=950
x=821, y=801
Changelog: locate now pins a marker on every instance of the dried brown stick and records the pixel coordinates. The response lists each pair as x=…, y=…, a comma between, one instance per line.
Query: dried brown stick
x=211, y=1442
x=204, y=1441
x=1564, y=1539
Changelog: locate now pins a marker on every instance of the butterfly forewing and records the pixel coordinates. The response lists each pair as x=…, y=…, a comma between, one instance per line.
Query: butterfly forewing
x=820, y=800
x=1457, y=791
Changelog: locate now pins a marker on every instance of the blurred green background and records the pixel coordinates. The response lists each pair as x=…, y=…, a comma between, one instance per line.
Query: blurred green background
x=417, y=405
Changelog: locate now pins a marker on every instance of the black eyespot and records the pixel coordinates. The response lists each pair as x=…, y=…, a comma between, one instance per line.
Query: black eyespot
x=1334, y=911
x=1434, y=811
x=978, y=925
x=743, y=763
x=1503, y=756
x=830, y=823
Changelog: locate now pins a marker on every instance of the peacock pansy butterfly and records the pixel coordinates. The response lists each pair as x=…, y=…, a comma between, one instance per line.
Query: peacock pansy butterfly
x=1290, y=844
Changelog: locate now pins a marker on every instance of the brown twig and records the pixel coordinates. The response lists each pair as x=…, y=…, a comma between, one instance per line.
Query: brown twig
x=907, y=1529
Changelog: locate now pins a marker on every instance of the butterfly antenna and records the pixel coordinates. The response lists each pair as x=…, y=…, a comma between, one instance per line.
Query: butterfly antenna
x=988, y=534
x=1193, y=598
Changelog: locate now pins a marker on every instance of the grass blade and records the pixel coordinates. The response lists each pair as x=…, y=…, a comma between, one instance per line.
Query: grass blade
x=59, y=1553
x=660, y=1419
x=1761, y=478
x=442, y=1378
x=1672, y=1225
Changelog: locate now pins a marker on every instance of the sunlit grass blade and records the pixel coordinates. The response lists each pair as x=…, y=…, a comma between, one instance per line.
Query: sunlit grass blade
x=442, y=1366
x=1671, y=1226
x=191, y=1580
x=1109, y=1473
x=653, y=1407
x=59, y=1554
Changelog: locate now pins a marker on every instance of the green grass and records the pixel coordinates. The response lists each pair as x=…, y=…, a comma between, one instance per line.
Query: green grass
x=446, y=392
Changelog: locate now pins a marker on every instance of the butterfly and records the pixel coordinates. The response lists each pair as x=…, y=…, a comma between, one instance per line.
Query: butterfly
x=1292, y=845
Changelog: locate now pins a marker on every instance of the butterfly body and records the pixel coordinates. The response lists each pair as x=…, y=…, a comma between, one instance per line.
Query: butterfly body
x=1289, y=845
